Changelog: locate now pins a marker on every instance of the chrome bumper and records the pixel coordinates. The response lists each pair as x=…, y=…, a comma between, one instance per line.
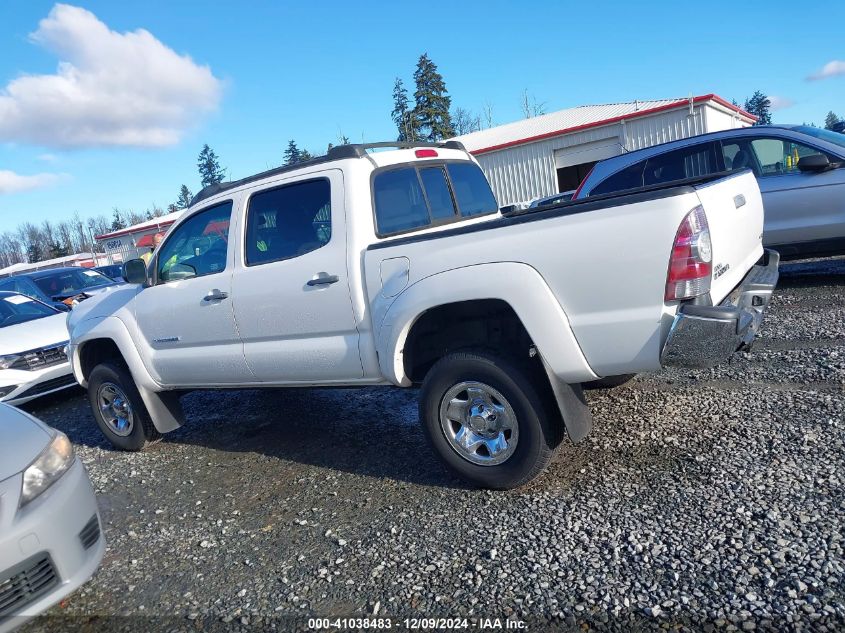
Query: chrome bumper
x=703, y=336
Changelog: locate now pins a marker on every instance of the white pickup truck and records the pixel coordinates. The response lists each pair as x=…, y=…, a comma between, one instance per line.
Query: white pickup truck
x=395, y=267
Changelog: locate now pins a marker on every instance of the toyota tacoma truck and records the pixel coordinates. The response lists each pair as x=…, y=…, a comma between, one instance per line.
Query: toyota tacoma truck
x=377, y=265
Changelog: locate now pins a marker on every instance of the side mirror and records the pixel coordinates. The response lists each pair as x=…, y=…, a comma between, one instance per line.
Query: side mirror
x=814, y=162
x=135, y=271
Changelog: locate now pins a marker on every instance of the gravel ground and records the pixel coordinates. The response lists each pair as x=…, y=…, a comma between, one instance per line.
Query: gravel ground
x=704, y=500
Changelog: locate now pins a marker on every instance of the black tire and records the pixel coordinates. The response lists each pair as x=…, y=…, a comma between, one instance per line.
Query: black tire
x=609, y=382
x=142, y=431
x=537, y=436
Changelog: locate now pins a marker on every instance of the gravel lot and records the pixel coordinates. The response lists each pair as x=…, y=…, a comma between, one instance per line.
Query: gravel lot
x=704, y=500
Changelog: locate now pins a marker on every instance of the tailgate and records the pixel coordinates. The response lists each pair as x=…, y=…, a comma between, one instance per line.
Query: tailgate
x=734, y=212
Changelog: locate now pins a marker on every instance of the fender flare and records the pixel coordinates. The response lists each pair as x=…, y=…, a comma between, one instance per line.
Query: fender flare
x=519, y=285
x=163, y=406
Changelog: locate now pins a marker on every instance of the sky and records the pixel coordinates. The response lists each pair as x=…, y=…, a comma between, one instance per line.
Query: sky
x=107, y=104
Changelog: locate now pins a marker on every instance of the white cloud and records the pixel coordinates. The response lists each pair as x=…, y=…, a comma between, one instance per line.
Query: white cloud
x=780, y=103
x=109, y=89
x=10, y=182
x=48, y=158
x=830, y=69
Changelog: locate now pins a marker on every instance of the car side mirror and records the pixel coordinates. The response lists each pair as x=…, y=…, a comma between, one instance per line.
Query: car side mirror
x=135, y=271
x=814, y=163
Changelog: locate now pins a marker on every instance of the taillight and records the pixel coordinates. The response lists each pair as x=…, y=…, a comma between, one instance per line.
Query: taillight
x=426, y=153
x=690, y=264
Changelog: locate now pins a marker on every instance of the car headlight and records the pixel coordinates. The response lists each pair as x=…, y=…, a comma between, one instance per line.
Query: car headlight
x=8, y=360
x=47, y=468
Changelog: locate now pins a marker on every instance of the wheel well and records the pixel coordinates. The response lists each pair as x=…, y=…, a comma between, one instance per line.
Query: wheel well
x=485, y=323
x=97, y=351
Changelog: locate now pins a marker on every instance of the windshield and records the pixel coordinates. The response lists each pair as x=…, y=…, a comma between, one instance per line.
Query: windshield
x=16, y=309
x=69, y=282
x=826, y=135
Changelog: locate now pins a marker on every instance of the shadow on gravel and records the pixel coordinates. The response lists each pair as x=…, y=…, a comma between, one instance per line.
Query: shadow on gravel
x=371, y=431
x=811, y=273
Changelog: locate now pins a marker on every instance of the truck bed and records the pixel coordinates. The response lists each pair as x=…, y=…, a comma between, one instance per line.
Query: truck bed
x=603, y=259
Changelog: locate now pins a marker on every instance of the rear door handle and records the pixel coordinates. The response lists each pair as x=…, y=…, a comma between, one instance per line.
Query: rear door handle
x=215, y=295
x=323, y=279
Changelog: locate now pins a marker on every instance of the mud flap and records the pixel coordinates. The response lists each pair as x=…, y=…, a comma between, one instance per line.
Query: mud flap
x=572, y=405
x=164, y=409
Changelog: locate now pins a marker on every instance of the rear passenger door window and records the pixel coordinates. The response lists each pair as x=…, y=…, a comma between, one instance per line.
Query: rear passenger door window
x=737, y=154
x=687, y=162
x=288, y=221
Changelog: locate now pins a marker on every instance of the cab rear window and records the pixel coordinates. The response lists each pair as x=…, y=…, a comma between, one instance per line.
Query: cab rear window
x=418, y=196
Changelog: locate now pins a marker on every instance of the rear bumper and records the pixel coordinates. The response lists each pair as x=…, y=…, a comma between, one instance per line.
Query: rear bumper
x=704, y=336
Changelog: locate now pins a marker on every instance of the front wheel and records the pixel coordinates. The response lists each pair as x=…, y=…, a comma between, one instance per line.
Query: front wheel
x=118, y=409
x=486, y=420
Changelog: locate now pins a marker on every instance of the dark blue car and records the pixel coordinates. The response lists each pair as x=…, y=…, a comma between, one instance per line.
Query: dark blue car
x=58, y=287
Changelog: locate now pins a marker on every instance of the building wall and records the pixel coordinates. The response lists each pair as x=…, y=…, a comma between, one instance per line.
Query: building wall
x=122, y=248
x=526, y=172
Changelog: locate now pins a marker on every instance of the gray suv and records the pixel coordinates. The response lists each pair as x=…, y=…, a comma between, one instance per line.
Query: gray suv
x=799, y=169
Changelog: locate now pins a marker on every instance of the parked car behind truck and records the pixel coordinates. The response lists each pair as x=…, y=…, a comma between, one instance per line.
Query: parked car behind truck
x=33, y=342
x=800, y=170
x=60, y=287
x=396, y=268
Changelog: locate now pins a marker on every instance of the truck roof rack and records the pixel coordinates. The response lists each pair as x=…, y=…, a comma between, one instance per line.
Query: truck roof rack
x=352, y=150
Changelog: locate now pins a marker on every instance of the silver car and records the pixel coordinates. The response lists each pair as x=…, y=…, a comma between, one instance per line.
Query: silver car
x=799, y=169
x=50, y=539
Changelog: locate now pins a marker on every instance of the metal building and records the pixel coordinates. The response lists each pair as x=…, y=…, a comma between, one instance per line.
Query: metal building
x=552, y=153
x=133, y=241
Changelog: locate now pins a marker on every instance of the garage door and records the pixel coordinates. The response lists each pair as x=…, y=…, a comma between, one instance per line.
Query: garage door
x=574, y=163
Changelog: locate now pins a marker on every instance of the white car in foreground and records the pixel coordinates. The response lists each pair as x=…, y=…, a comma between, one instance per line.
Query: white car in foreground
x=50, y=540
x=33, y=337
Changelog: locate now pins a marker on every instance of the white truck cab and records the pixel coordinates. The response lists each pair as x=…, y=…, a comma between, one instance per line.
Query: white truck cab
x=395, y=267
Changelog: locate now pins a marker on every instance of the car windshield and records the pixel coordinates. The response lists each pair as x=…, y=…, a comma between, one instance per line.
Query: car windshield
x=68, y=282
x=114, y=270
x=17, y=308
x=826, y=135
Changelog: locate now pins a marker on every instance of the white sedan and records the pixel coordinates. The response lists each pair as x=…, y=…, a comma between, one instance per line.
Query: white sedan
x=50, y=539
x=33, y=361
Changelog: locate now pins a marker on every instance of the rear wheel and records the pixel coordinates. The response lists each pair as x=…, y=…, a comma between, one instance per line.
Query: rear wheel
x=485, y=419
x=118, y=409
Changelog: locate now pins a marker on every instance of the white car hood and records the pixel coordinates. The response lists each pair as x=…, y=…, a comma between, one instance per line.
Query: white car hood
x=22, y=439
x=23, y=337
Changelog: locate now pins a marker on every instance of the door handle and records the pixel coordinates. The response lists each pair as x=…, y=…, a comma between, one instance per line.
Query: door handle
x=215, y=295
x=323, y=280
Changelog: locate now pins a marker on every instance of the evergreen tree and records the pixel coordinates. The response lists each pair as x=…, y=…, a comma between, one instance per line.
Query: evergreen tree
x=431, y=112
x=401, y=114
x=33, y=254
x=117, y=222
x=184, y=199
x=304, y=155
x=292, y=154
x=758, y=105
x=209, y=167
x=57, y=250
x=830, y=120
